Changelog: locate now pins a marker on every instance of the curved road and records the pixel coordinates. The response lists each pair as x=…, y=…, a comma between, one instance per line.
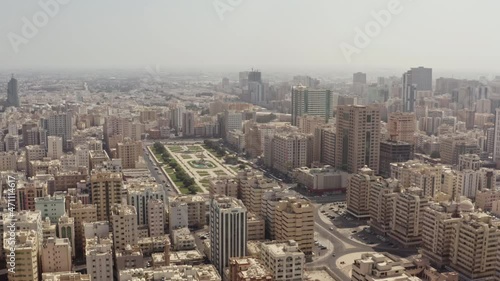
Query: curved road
x=342, y=246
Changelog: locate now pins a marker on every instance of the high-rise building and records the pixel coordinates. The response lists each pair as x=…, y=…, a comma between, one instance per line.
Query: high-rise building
x=124, y=225
x=476, y=242
x=56, y=255
x=129, y=152
x=156, y=214
x=188, y=121
x=359, y=77
x=406, y=225
x=496, y=145
x=66, y=229
x=274, y=253
x=106, y=189
x=61, y=125
x=290, y=151
x=99, y=256
x=12, y=93
x=359, y=86
x=438, y=220
x=270, y=200
x=357, y=138
x=195, y=206
x=26, y=252
x=402, y=126
x=81, y=213
x=311, y=102
x=252, y=185
x=139, y=196
x=381, y=205
x=294, y=219
x=393, y=152
x=324, y=145
x=256, y=93
x=228, y=230
x=52, y=207
x=233, y=120
x=54, y=147
x=358, y=192
x=416, y=79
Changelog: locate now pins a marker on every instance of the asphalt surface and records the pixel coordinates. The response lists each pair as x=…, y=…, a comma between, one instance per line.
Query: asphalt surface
x=342, y=246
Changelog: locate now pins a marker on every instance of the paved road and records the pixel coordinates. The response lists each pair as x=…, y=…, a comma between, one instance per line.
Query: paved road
x=157, y=174
x=342, y=246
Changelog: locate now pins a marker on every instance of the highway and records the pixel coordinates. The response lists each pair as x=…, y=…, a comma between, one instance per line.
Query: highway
x=157, y=174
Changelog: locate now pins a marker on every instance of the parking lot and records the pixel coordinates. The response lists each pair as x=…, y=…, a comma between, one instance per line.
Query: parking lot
x=351, y=227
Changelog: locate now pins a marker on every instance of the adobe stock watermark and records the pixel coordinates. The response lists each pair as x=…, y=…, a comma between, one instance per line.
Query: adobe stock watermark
x=363, y=37
x=31, y=26
x=224, y=6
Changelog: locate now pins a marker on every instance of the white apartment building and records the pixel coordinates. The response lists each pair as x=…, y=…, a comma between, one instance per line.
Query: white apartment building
x=124, y=225
x=99, y=257
x=156, y=217
x=284, y=259
x=228, y=230
x=54, y=147
x=52, y=207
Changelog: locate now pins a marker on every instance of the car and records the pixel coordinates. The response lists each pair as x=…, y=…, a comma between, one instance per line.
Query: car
x=354, y=231
x=331, y=228
x=333, y=255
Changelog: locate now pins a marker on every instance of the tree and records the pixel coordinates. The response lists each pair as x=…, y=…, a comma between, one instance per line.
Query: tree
x=435, y=154
x=192, y=189
x=241, y=166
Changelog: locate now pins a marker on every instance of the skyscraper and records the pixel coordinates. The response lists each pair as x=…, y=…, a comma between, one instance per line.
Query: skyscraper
x=61, y=125
x=310, y=102
x=228, y=230
x=416, y=79
x=12, y=93
x=358, y=138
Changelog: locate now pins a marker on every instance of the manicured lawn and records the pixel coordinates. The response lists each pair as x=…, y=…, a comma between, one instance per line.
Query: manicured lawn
x=186, y=156
x=195, y=148
x=184, y=190
x=175, y=148
x=202, y=173
x=220, y=172
x=213, y=152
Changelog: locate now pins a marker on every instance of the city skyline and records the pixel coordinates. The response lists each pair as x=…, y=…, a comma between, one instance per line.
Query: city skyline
x=188, y=35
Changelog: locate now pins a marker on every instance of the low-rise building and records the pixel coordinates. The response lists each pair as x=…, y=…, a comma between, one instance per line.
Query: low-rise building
x=284, y=259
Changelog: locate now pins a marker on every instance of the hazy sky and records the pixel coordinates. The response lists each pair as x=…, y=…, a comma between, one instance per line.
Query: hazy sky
x=446, y=34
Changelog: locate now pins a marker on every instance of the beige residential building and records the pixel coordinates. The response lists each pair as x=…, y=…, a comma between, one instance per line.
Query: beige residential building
x=8, y=161
x=294, y=220
x=357, y=137
x=130, y=257
x=140, y=193
x=324, y=145
x=285, y=260
x=28, y=191
x=195, y=208
x=252, y=184
x=54, y=147
x=438, y=220
x=270, y=200
x=81, y=213
x=107, y=190
x=65, y=276
x=452, y=145
x=26, y=253
x=129, y=152
x=322, y=179
x=247, y=269
x=156, y=217
x=255, y=227
x=182, y=239
x=124, y=225
x=176, y=272
x=476, y=242
x=308, y=123
x=485, y=198
x=358, y=192
x=402, y=126
x=376, y=266
x=56, y=255
x=406, y=225
x=417, y=173
x=381, y=204
x=99, y=257
x=290, y=151
x=224, y=186
x=66, y=229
